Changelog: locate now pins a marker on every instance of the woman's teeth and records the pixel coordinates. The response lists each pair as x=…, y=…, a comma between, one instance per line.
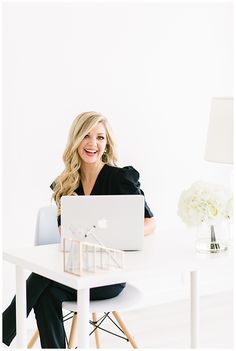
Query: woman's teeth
x=90, y=151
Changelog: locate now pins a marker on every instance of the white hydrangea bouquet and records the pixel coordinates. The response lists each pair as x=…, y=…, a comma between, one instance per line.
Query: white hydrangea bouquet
x=206, y=203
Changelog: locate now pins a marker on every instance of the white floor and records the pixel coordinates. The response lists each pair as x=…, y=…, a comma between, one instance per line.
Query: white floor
x=167, y=325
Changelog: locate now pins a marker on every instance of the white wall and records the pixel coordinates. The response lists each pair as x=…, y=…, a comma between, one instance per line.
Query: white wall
x=151, y=68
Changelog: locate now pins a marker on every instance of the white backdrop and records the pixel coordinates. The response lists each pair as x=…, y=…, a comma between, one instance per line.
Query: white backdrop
x=151, y=68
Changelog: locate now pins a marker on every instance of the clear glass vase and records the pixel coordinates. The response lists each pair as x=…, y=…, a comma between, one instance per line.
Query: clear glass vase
x=212, y=238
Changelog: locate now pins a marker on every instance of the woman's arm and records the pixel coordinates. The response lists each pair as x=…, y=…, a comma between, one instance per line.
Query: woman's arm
x=149, y=225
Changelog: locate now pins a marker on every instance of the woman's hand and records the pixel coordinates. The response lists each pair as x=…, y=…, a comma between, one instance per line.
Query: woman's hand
x=149, y=225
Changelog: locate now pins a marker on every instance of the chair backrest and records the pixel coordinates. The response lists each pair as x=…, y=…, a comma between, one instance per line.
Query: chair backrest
x=46, y=231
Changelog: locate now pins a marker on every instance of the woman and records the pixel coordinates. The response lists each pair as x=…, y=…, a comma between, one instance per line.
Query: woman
x=90, y=169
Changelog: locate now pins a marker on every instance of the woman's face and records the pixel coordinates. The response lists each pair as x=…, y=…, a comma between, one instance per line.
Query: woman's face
x=93, y=145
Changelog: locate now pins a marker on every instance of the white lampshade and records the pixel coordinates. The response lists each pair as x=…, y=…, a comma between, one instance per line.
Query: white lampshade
x=219, y=146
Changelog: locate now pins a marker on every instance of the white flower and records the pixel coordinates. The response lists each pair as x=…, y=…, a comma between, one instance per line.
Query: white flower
x=204, y=202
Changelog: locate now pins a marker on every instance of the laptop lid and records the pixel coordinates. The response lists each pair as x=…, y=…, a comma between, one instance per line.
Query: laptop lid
x=116, y=221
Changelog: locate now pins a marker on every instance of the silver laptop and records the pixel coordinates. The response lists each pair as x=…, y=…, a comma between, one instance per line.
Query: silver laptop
x=116, y=221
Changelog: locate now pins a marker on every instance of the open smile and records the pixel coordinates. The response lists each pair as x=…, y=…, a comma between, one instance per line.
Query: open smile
x=90, y=152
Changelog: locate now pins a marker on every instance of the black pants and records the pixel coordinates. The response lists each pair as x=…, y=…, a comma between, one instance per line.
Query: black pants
x=46, y=296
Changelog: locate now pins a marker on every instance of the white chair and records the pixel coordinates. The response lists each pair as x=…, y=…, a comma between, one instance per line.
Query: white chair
x=47, y=233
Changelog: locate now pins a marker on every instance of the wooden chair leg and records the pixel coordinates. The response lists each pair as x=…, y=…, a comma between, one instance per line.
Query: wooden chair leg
x=73, y=333
x=125, y=330
x=33, y=339
x=97, y=338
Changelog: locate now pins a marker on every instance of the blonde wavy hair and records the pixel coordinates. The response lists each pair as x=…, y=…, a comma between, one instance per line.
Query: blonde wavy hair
x=69, y=179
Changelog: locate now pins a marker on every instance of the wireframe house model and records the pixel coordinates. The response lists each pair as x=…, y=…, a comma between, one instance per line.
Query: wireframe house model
x=81, y=257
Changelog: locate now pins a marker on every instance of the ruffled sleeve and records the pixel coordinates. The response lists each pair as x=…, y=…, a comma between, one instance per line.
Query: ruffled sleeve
x=127, y=182
x=58, y=217
x=52, y=185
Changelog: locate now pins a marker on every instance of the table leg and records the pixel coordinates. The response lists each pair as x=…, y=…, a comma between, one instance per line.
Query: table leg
x=20, y=308
x=83, y=318
x=194, y=309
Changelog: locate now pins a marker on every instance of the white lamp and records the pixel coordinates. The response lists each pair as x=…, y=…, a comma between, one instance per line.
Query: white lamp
x=219, y=146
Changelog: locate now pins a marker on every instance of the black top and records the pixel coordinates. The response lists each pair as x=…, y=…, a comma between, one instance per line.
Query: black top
x=116, y=181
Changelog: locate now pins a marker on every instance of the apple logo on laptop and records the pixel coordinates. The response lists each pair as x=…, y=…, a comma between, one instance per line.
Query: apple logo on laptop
x=102, y=223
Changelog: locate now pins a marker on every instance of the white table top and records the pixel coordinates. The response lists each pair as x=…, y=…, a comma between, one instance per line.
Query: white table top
x=163, y=253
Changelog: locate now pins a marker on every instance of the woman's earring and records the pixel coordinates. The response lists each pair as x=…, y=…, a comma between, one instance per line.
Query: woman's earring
x=104, y=156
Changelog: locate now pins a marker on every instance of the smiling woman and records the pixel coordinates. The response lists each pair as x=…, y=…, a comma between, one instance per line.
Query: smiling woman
x=91, y=150
x=90, y=145
x=93, y=144
x=90, y=169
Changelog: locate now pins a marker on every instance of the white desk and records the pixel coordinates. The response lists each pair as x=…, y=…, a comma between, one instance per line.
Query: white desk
x=163, y=253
